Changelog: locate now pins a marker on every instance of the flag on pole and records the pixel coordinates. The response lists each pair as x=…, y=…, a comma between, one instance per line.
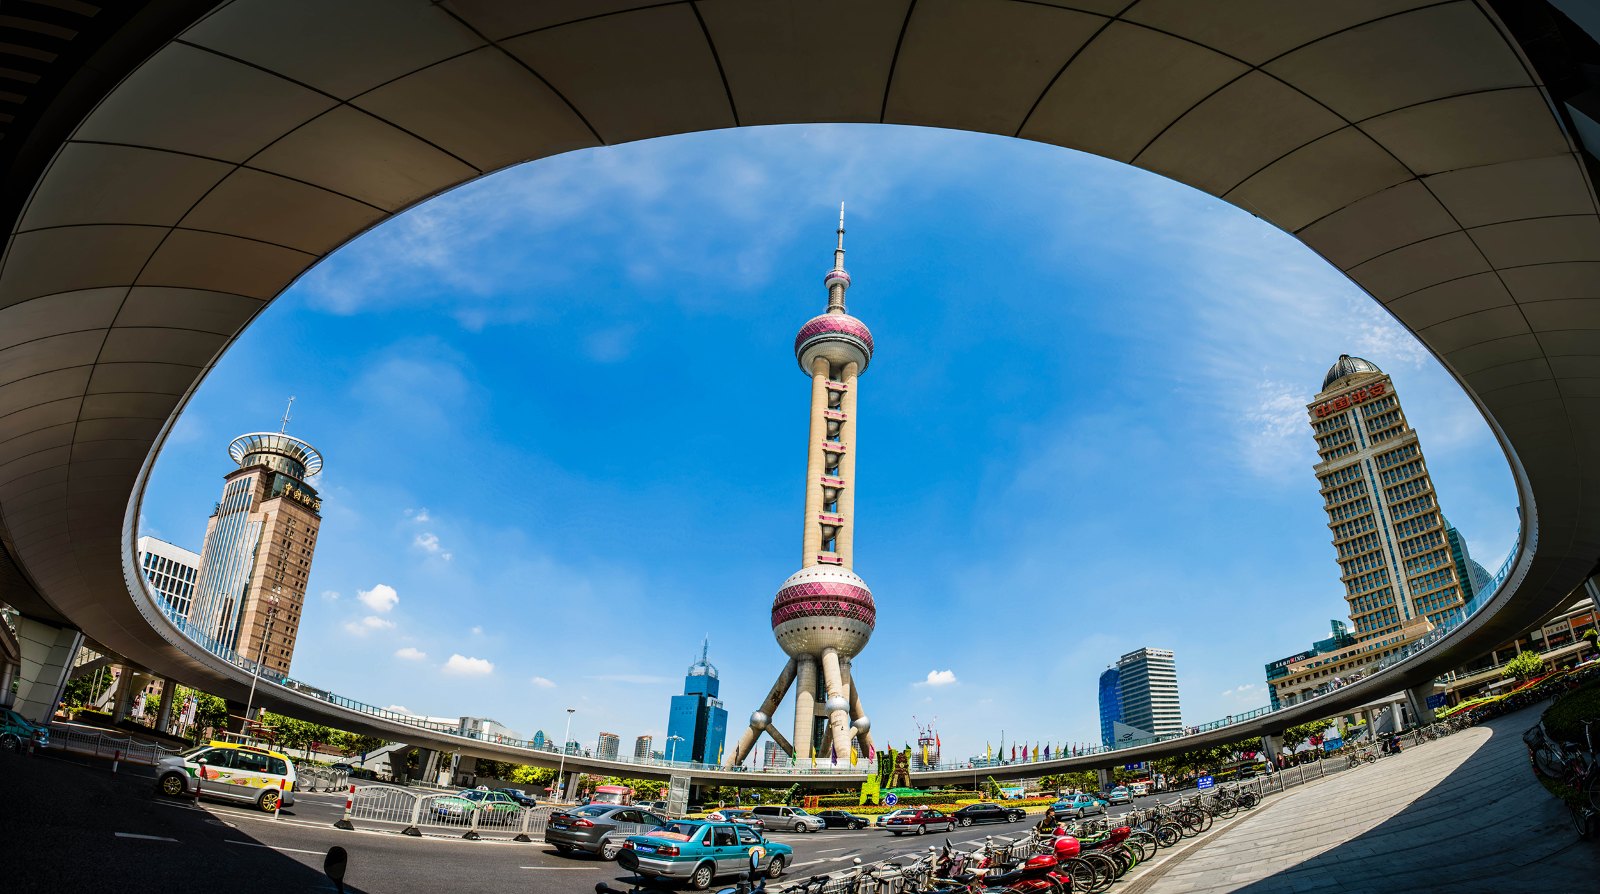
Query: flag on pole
x=1013, y=751
x=852, y=754
x=1047, y=751
x=813, y=760
x=833, y=754
x=925, y=752
x=988, y=752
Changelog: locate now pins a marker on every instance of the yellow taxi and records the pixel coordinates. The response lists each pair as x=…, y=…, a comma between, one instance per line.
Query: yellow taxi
x=230, y=771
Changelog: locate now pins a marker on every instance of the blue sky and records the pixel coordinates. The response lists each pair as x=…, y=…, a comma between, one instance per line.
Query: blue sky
x=564, y=432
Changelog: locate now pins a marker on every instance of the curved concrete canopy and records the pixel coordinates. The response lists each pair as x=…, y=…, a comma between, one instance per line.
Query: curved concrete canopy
x=1411, y=144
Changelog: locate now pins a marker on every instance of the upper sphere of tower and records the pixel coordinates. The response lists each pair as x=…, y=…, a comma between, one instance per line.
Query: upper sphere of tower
x=821, y=607
x=1348, y=366
x=838, y=337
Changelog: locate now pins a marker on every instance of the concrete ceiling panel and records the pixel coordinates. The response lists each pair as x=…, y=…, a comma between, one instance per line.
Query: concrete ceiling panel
x=1576, y=367
x=633, y=75
x=258, y=205
x=38, y=389
x=1570, y=343
x=1318, y=179
x=92, y=183
x=1543, y=240
x=1398, y=216
x=1258, y=30
x=216, y=312
x=141, y=405
x=1468, y=131
x=1575, y=313
x=34, y=442
x=1508, y=349
x=49, y=353
x=828, y=49
x=484, y=108
x=1432, y=261
x=1382, y=66
x=1584, y=389
x=342, y=48
x=1471, y=329
x=500, y=19
x=1521, y=395
x=981, y=65
x=92, y=309
x=158, y=378
x=1236, y=132
x=45, y=262
x=114, y=428
x=1516, y=190
x=1505, y=375
x=107, y=458
x=39, y=416
x=1452, y=299
x=192, y=101
x=26, y=503
x=1549, y=282
x=44, y=485
x=190, y=259
x=182, y=346
x=1125, y=87
x=355, y=154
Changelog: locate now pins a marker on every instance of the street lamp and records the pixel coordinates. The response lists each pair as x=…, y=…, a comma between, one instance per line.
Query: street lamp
x=565, y=738
x=261, y=653
x=672, y=745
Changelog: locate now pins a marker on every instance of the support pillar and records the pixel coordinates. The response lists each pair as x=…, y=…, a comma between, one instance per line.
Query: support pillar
x=8, y=675
x=427, y=764
x=838, y=704
x=123, y=700
x=805, y=705
x=747, y=741
x=467, y=771
x=47, y=653
x=169, y=693
x=571, y=790
x=1417, y=701
x=857, y=713
x=1272, y=746
x=1105, y=778
x=845, y=542
x=811, y=536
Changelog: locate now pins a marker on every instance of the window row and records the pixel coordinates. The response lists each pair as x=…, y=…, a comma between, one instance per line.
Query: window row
x=1345, y=492
x=1397, y=455
x=1401, y=473
x=1427, y=561
x=1373, y=407
x=1416, y=545
x=1408, y=508
x=1340, y=476
x=1369, y=581
x=1352, y=528
x=1416, y=525
x=1411, y=488
x=1362, y=544
x=1361, y=563
x=1360, y=506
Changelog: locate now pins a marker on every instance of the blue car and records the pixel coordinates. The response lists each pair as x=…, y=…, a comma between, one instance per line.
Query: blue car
x=1079, y=806
x=698, y=852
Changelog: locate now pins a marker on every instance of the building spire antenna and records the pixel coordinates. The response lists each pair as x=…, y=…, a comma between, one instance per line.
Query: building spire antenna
x=705, y=648
x=837, y=280
x=284, y=426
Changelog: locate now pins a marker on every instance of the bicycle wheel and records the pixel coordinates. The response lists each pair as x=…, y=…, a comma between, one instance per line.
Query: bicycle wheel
x=1224, y=809
x=1548, y=761
x=1582, y=819
x=1188, y=823
x=1144, y=843
x=1205, y=818
x=1249, y=800
x=1105, y=870
x=1168, y=834
x=1082, y=873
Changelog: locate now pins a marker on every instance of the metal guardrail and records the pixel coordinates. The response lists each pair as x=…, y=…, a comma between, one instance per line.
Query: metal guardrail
x=320, y=779
x=441, y=814
x=123, y=748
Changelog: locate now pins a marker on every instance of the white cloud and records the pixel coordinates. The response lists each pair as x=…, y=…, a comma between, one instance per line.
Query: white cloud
x=331, y=595
x=368, y=624
x=428, y=542
x=939, y=678
x=381, y=598
x=399, y=709
x=410, y=653
x=461, y=665
x=543, y=683
x=477, y=631
x=419, y=515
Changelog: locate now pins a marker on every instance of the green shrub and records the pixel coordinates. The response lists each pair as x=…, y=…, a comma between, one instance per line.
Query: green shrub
x=1562, y=719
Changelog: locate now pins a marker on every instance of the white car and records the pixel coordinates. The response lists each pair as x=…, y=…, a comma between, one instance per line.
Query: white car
x=1120, y=795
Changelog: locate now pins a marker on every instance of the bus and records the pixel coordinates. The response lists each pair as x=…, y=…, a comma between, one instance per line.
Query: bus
x=611, y=794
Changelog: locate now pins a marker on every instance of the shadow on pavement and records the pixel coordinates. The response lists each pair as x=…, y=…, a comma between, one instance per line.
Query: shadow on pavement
x=70, y=825
x=1487, y=826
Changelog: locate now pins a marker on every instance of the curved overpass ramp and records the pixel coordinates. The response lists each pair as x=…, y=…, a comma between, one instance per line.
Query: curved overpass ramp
x=177, y=166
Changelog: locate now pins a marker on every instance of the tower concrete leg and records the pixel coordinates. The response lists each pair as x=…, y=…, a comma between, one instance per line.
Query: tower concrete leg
x=839, y=698
x=775, y=695
x=805, y=705
x=864, y=738
x=47, y=653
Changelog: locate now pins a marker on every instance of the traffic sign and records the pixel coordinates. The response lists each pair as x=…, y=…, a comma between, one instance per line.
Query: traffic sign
x=891, y=799
x=1205, y=782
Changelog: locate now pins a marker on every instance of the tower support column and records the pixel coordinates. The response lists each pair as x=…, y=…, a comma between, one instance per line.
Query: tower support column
x=838, y=704
x=805, y=705
x=811, y=536
x=845, y=542
x=775, y=695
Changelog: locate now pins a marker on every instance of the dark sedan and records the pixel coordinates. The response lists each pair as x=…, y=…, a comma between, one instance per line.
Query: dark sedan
x=919, y=821
x=838, y=819
x=519, y=796
x=598, y=828
x=987, y=813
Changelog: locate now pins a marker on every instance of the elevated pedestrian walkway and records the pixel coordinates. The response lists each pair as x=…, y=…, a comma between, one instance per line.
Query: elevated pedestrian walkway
x=1459, y=814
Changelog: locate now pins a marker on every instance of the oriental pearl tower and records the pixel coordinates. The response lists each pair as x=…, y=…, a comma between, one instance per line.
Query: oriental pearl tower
x=823, y=614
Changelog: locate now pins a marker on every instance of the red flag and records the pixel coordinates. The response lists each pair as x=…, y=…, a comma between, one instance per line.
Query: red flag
x=936, y=742
x=1013, y=751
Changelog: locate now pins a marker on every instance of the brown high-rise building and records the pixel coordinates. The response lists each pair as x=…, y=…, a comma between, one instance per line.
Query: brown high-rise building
x=258, y=550
x=1388, y=530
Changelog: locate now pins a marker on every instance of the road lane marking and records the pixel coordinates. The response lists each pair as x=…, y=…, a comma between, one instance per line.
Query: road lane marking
x=558, y=868
x=273, y=847
x=147, y=837
x=829, y=850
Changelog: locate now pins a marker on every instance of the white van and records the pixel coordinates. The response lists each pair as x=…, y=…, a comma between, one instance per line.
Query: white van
x=1139, y=789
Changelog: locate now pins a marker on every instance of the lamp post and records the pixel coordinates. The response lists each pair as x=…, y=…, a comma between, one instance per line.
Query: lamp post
x=565, y=738
x=672, y=746
x=261, y=653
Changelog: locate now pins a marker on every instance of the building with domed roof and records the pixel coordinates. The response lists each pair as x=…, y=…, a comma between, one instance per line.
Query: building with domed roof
x=824, y=614
x=697, y=726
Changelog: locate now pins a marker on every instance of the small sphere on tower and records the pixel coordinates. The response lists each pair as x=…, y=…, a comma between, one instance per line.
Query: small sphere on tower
x=822, y=607
x=839, y=337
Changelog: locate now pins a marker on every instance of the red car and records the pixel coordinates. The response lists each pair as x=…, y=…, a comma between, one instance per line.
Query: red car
x=920, y=821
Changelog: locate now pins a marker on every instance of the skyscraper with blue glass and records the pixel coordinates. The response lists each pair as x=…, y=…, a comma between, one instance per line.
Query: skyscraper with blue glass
x=697, y=726
x=1110, y=703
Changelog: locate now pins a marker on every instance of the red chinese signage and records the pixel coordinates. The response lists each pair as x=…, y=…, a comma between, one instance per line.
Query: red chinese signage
x=1343, y=401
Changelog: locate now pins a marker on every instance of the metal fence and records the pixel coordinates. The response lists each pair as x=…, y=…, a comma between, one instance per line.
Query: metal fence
x=320, y=779
x=108, y=745
x=420, y=813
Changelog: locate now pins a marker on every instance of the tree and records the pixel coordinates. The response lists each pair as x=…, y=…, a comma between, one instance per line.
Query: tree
x=1525, y=665
x=526, y=775
x=84, y=690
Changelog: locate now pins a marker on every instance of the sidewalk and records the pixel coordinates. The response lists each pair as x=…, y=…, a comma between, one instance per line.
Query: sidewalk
x=1461, y=814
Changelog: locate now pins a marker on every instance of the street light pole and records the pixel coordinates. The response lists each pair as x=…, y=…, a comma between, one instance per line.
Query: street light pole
x=672, y=746
x=565, y=738
x=261, y=653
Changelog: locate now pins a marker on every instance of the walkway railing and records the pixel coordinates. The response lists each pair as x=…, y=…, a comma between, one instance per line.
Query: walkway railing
x=819, y=767
x=124, y=748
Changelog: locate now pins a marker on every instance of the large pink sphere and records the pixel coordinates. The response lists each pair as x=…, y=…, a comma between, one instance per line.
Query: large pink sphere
x=840, y=338
x=821, y=607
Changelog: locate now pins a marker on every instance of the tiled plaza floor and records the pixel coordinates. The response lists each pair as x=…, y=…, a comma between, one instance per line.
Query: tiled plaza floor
x=1461, y=814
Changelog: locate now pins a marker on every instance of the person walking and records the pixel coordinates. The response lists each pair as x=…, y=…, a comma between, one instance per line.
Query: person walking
x=1048, y=823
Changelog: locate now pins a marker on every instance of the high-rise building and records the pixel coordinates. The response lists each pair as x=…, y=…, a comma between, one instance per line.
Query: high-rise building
x=1147, y=691
x=697, y=726
x=772, y=755
x=171, y=571
x=1474, y=577
x=487, y=730
x=824, y=614
x=540, y=740
x=1388, y=529
x=258, y=549
x=608, y=747
x=641, y=748
x=1110, y=704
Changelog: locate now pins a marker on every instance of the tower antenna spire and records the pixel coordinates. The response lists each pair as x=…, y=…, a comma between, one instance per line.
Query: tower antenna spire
x=284, y=426
x=837, y=280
